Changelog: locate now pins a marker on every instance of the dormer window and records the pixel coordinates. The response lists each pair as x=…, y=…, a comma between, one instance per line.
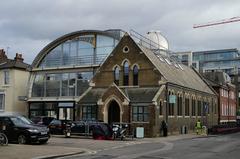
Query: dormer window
x=135, y=75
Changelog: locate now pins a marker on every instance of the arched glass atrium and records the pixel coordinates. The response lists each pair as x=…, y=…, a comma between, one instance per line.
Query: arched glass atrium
x=83, y=50
x=62, y=70
x=67, y=68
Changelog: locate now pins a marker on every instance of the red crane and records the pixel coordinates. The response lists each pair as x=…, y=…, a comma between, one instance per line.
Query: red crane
x=224, y=21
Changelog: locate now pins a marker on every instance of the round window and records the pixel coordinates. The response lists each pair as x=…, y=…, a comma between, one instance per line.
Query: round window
x=125, y=49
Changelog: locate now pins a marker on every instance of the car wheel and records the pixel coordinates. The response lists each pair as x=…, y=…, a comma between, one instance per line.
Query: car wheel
x=22, y=139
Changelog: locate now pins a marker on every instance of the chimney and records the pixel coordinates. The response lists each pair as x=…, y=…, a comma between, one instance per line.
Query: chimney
x=18, y=57
x=3, y=56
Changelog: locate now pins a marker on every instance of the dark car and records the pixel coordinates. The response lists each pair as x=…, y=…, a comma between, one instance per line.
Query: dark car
x=91, y=127
x=58, y=127
x=42, y=120
x=22, y=130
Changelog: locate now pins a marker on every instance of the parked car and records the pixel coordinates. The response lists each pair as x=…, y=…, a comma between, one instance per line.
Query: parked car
x=42, y=120
x=58, y=127
x=22, y=130
x=102, y=131
x=97, y=129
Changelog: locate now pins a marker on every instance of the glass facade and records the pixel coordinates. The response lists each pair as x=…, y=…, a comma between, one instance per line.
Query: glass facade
x=60, y=84
x=82, y=50
x=226, y=66
x=215, y=55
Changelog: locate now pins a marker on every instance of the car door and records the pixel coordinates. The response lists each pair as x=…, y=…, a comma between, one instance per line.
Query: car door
x=78, y=127
x=9, y=131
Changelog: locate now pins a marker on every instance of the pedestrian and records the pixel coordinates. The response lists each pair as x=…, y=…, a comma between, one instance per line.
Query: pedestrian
x=164, y=128
x=198, y=127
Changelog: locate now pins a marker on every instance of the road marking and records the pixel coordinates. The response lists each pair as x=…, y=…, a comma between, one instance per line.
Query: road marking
x=168, y=146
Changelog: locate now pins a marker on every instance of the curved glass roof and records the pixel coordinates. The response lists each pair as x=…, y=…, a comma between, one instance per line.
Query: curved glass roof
x=86, y=48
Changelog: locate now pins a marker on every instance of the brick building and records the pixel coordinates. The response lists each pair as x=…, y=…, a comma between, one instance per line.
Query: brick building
x=227, y=98
x=140, y=87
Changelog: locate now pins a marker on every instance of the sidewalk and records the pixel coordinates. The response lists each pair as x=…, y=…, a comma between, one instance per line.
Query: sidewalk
x=15, y=151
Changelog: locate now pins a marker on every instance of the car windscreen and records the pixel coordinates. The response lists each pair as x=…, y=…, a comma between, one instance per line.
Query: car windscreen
x=20, y=120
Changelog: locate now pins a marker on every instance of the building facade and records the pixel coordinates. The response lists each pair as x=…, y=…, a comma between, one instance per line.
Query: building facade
x=226, y=60
x=62, y=70
x=137, y=86
x=221, y=83
x=14, y=75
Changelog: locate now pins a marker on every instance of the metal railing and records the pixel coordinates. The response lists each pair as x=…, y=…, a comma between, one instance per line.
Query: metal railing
x=84, y=60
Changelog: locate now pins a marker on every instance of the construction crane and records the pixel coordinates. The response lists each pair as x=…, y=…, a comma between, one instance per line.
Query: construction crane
x=224, y=21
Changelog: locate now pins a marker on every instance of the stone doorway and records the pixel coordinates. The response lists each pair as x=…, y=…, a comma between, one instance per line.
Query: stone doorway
x=113, y=112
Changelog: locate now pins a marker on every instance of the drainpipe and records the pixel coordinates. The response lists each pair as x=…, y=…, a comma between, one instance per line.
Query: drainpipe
x=166, y=102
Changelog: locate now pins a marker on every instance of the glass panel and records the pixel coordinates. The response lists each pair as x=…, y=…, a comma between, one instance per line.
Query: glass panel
x=84, y=109
x=145, y=109
x=140, y=117
x=126, y=73
x=135, y=110
x=116, y=73
x=66, y=51
x=140, y=109
x=53, y=85
x=53, y=59
x=2, y=99
x=38, y=86
x=135, y=117
x=65, y=84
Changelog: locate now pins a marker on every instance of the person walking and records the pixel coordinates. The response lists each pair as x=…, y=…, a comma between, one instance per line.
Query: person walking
x=198, y=127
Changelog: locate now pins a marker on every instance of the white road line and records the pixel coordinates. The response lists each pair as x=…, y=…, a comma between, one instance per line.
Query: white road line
x=168, y=146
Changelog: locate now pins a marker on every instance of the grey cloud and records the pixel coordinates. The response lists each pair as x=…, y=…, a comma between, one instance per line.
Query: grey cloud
x=28, y=25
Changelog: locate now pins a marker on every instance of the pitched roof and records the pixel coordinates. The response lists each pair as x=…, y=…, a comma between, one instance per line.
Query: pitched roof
x=93, y=95
x=140, y=95
x=135, y=95
x=177, y=73
x=13, y=64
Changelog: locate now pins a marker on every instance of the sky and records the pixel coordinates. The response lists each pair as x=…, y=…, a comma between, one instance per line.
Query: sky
x=27, y=26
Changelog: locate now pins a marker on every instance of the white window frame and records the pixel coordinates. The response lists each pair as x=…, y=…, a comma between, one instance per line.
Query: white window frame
x=2, y=105
x=6, y=77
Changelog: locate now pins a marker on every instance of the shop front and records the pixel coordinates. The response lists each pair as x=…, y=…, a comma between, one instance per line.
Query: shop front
x=59, y=110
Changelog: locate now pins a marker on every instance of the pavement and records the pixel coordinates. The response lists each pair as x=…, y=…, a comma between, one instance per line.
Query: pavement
x=58, y=146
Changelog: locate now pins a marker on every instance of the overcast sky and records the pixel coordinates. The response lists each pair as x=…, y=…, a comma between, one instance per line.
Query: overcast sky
x=26, y=26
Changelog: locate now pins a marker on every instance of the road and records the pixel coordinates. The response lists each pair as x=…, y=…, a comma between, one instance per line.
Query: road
x=212, y=147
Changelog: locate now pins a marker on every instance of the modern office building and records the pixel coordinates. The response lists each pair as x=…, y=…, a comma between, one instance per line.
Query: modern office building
x=14, y=74
x=62, y=70
x=226, y=60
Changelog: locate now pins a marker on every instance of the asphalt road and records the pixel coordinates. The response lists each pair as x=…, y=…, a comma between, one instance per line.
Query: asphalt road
x=211, y=147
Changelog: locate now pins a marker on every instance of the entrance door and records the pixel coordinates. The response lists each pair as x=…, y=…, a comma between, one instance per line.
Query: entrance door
x=113, y=112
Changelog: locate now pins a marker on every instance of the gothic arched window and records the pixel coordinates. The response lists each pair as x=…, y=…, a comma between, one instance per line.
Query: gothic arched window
x=125, y=73
x=135, y=75
x=116, y=75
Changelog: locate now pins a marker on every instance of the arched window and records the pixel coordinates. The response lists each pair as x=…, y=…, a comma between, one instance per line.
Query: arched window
x=135, y=75
x=125, y=73
x=116, y=75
